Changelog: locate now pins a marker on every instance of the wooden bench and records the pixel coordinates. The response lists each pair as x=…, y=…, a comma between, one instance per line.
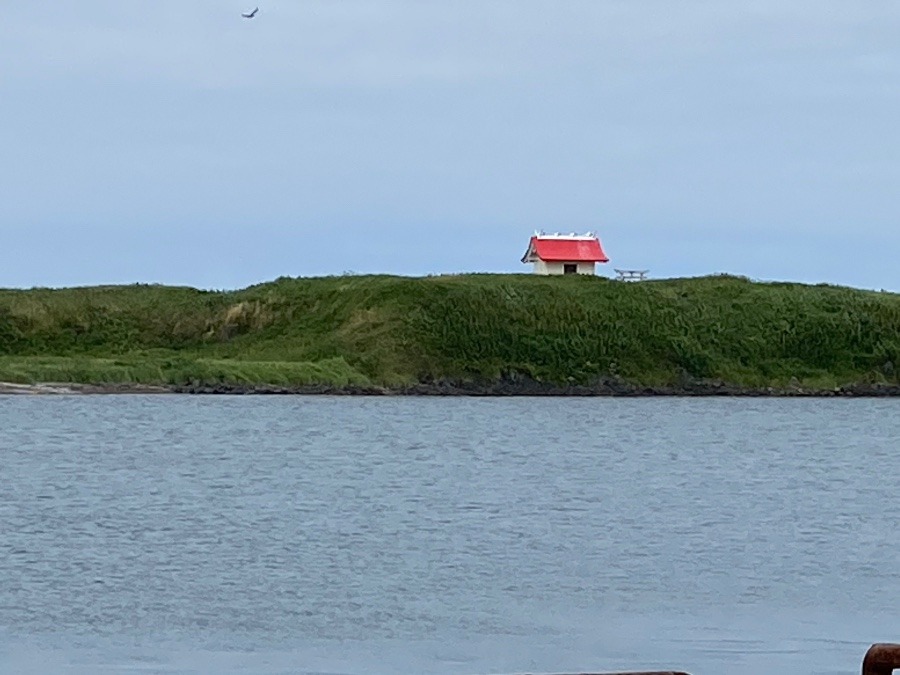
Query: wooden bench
x=631, y=275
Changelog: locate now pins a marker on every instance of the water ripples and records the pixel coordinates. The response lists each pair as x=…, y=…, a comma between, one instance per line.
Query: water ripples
x=448, y=535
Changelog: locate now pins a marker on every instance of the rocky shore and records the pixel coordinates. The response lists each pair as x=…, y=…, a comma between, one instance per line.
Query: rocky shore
x=450, y=388
x=532, y=388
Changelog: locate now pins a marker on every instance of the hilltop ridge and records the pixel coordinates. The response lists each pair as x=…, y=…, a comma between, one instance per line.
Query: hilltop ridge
x=458, y=334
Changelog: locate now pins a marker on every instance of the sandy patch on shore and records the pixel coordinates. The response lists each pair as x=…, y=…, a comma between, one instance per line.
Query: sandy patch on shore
x=67, y=388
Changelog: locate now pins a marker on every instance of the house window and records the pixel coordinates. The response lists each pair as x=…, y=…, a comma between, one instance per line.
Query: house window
x=570, y=268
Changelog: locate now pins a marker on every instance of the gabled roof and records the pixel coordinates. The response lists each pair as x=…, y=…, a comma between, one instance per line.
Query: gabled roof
x=565, y=248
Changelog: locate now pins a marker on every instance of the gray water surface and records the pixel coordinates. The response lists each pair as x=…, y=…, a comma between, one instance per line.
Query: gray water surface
x=173, y=534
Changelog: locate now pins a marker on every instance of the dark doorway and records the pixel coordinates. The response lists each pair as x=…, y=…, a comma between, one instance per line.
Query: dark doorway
x=570, y=268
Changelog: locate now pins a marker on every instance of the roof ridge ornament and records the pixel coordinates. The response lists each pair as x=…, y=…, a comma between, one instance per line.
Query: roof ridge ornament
x=541, y=234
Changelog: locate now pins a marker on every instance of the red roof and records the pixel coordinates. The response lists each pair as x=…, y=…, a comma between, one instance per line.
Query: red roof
x=575, y=250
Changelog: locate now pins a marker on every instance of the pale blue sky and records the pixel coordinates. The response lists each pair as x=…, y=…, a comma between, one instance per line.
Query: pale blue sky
x=175, y=142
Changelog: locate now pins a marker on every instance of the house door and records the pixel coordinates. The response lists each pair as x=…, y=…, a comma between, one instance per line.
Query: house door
x=570, y=268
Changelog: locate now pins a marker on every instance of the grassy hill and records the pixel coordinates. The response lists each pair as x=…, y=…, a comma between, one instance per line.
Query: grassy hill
x=396, y=331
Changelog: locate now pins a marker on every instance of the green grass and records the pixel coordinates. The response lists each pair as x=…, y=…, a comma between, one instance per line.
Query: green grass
x=175, y=371
x=397, y=330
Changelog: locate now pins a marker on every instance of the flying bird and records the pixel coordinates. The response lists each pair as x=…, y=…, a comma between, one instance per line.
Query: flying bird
x=251, y=14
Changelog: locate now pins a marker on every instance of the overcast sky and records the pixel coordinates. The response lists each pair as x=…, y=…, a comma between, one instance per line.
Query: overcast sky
x=175, y=142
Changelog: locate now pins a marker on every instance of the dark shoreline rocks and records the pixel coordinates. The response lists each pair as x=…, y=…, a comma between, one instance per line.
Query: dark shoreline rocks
x=532, y=388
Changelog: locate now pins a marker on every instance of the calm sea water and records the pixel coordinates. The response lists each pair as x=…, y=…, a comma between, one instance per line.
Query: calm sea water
x=175, y=534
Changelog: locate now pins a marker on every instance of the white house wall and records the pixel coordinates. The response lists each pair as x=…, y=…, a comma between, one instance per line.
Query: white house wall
x=554, y=268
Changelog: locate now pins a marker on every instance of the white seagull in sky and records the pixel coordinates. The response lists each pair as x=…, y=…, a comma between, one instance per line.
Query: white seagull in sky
x=251, y=14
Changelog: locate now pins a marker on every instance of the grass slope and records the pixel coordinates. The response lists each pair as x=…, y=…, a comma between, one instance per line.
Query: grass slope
x=383, y=330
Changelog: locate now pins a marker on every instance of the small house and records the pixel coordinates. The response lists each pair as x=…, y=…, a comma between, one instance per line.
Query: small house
x=564, y=253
